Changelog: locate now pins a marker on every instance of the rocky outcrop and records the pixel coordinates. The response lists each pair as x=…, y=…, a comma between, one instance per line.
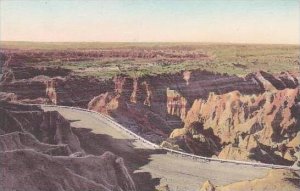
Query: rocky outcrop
x=151, y=90
x=75, y=90
x=159, y=103
x=177, y=105
x=28, y=84
x=10, y=97
x=23, y=141
x=196, y=140
x=48, y=127
x=19, y=172
x=276, y=82
x=234, y=112
x=104, y=103
x=19, y=73
x=207, y=186
x=276, y=180
x=166, y=94
x=39, y=151
x=245, y=150
x=26, y=89
x=250, y=127
x=163, y=188
x=51, y=86
x=233, y=108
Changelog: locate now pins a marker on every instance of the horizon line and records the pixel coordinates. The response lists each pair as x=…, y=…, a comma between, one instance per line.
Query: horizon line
x=154, y=42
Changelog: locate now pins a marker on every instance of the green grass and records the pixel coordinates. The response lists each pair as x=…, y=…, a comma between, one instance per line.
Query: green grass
x=233, y=59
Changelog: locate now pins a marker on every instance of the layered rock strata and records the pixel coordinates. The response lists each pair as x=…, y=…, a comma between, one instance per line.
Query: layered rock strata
x=39, y=151
x=238, y=117
x=259, y=127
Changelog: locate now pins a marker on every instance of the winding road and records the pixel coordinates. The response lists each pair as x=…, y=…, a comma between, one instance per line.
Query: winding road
x=179, y=172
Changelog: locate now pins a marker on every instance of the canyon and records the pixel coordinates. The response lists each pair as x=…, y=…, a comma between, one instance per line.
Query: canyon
x=252, y=117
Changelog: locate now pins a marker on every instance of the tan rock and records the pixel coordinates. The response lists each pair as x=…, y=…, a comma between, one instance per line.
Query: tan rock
x=178, y=132
x=276, y=180
x=207, y=186
x=247, y=121
x=163, y=188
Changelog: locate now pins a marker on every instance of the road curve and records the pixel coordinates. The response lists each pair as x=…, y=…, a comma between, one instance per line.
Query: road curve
x=180, y=173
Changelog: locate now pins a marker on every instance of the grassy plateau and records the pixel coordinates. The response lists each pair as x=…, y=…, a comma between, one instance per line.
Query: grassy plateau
x=138, y=59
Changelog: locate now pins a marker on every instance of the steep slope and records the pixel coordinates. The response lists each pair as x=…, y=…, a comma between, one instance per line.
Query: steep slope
x=47, y=127
x=157, y=104
x=39, y=151
x=241, y=116
x=21, y=141
x=19, y=172
x=75, y=90
x=250, y=127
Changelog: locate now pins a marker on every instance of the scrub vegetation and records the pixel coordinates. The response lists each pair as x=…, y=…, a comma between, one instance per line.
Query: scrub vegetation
x=139, y=59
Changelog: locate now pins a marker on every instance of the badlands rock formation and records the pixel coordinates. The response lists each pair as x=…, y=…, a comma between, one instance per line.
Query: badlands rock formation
x=252, y=118
x=39, y=151
x=216, y=115
x=51, y=85
x=159, y=103
x=75, y=90
x=276, y=180
x=250, y=127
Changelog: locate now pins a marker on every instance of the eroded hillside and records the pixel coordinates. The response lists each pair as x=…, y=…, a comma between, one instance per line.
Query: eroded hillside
x=254, y=117
x=39, y=151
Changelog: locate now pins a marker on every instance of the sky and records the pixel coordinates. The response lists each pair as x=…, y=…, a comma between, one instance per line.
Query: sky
x=228, y=21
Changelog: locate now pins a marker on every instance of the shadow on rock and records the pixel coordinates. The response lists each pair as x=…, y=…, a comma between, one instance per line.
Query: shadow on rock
x=134, y=157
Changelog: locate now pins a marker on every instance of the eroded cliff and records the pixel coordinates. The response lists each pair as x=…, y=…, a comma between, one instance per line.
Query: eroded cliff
x=39, y=151
x=249, y=127
x=210, y=114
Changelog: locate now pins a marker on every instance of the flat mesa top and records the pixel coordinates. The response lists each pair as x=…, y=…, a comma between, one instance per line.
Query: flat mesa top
x=139, y=59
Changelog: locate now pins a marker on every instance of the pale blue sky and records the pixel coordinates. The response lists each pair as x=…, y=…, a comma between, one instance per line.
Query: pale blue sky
x=236, y=21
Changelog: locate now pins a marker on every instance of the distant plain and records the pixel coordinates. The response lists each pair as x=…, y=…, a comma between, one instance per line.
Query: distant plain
x=139, y=59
